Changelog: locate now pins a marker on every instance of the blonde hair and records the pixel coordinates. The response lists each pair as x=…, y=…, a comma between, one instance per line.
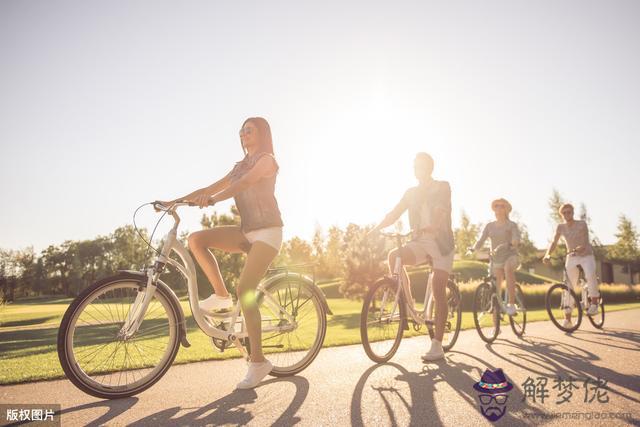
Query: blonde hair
x=565, y=205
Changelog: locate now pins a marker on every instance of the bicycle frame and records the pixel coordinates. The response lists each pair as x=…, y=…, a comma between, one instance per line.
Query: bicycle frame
x=424, y=316
x=188, y=269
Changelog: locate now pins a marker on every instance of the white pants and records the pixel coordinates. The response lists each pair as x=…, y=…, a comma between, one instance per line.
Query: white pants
x=588, y=264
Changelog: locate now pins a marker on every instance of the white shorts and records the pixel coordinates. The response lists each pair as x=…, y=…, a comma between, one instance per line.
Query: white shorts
x=425, y=248
x=272, y=236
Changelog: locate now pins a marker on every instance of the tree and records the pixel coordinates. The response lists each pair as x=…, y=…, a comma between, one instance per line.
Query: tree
x=627, y=247
x=598, y=247
x=466, y=235
x=364, y=260
x=526, y=249
x=555, y=201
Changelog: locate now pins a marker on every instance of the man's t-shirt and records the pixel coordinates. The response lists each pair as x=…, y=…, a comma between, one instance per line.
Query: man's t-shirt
x=422, y=202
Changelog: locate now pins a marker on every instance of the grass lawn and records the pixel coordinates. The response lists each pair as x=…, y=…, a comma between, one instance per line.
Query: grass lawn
x=29, y=330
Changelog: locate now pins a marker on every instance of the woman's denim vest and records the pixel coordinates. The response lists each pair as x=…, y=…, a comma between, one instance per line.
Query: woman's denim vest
x=257, y=204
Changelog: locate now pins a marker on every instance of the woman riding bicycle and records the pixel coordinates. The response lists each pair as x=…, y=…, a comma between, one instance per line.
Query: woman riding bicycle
x=580, y=253
x=429, y=206
x=505, y=237
x=251, y=183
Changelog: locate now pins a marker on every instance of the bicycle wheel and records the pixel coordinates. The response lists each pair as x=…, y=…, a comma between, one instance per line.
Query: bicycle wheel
x=598, y=320
x=382, y=320
x=486, y=314
x=562, y=302
x=519, y=320
x=454, y=316
x=294, y=324
x=98, y=358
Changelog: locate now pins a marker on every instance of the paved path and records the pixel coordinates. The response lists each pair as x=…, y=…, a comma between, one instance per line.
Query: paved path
x=342, y=387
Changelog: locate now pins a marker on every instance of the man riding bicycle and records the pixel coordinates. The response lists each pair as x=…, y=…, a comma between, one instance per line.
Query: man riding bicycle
x=580, y=253
x=429, y=206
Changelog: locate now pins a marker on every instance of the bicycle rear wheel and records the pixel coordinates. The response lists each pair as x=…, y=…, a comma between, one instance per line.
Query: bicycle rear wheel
x=454, y=316
x=486, y=314
x=519, y=320
x=382, y=320
x=293, y=340
x=98, y=358
x=562, y=302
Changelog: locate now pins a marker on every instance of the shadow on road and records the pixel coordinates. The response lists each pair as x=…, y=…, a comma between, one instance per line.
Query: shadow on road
x=552, y=358
x=116, y=408
x=395, y=390
x=230, y=410
x=624, y=339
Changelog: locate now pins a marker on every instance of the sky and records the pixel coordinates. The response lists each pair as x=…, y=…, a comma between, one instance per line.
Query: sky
x=107, y=105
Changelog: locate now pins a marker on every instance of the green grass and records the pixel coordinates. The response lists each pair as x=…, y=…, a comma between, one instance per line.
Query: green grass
x=28, y=336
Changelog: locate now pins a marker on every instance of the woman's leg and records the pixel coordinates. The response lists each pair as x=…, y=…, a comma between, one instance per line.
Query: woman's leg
x=258, y=260
x=227, y=238
x=510, y=273
x=499, y=273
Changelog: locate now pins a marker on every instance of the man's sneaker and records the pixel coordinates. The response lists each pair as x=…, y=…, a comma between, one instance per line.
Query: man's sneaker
x=567, y=324
x=592, y=310
x=436, y=352
x=216, y=303
x=257, y=371
x=511, y=310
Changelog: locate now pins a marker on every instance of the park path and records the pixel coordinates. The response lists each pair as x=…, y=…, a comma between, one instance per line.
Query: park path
x=343, y=387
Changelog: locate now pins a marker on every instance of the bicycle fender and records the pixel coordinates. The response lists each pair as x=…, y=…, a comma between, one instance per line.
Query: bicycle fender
x=173, y=300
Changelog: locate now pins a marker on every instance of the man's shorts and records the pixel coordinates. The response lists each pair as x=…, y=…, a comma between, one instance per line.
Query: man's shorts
x=422, y=249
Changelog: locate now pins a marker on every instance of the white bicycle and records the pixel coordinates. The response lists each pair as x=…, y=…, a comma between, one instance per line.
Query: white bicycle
x=122, y=333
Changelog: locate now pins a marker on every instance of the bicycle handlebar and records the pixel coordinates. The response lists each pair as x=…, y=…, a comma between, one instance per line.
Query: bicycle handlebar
x=164, y=208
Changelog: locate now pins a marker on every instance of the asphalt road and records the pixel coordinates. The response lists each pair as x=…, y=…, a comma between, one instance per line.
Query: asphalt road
x=343, y=387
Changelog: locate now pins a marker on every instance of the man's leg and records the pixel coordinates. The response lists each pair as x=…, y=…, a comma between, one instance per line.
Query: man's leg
x=573, y=274
x=440, y=279
x=589, y=266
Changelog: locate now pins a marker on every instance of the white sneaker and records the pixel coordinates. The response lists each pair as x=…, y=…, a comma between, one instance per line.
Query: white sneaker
x=216, y=303
x=257, y=371
x=567, y=324
x=593, y=310
x=511, y=310
x=436, y=352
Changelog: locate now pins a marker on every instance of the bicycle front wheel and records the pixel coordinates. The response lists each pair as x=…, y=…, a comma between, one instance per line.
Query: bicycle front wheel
x=563, y=307
x=98, y=357
x=454, y=316
x=294, y=324
x=486, y=314
x=382, y=320
x=519, y=320
x=598, y=320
